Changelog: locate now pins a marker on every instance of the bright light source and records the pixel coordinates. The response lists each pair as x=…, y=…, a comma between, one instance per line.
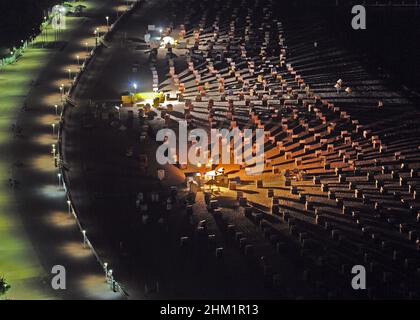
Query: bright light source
x=58, y=9
x=168, y=40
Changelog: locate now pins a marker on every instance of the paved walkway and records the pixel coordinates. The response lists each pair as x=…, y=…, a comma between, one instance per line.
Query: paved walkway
x=36, y=231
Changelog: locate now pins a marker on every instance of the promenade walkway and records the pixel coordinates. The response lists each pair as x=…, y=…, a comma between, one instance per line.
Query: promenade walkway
x=36, y=230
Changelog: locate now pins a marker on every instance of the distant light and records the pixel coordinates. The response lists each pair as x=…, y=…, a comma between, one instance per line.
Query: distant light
x=168, y=40
x=59, y=9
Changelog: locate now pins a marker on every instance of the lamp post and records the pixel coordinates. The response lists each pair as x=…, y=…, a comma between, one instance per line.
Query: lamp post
x=84, y=238
x=53, y=152
x=119, y=113
x=110, y=277
x=96, y=33
x=105, y=265
x=87, y=47
x=53, y=128
x=59, y=179
x=44, y=26
x=69, y=70
x=56, y=110
x=78, y=60
x=69, y=206
x=107, y=22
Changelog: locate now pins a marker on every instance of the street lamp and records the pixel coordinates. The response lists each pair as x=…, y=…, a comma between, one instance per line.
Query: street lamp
x=110, y=278
x=84, y=238
x=97, y=35
x=69, y=70
x=53, y=128
x=135, y=86
x=59, y=179
x=62, y=91
x=78, y=60
x=69, y=206
x=119, y=113
x=106, y=268
x=46, y=30
x=56, y=110
x=107, y=22
x=87, y=47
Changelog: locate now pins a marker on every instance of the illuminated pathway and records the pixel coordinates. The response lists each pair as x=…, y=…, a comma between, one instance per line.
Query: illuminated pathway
x=36, y=230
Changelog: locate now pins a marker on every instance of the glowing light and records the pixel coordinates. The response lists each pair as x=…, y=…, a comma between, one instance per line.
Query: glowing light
x=168, y=40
